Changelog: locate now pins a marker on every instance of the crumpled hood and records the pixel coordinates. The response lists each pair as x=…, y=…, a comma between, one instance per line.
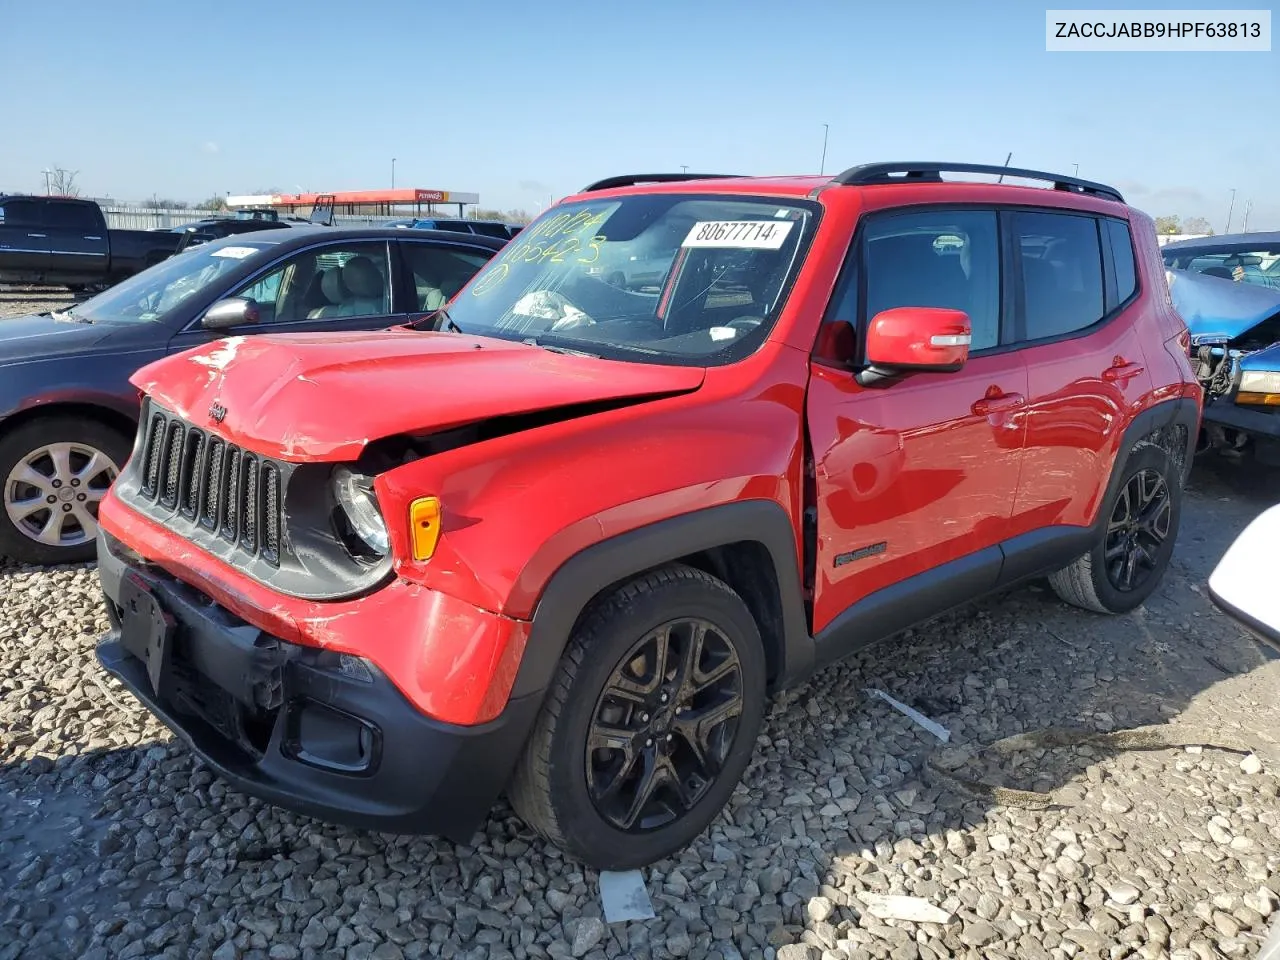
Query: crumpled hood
x=324, y=396
x=1217, y=307
x=41, y=336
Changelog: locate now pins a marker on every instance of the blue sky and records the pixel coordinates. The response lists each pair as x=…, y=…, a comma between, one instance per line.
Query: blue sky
x=518, y=101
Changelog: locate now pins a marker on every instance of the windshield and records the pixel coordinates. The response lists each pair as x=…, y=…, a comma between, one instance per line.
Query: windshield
x=1260, y=266
x=154, y=292
x=667, y=277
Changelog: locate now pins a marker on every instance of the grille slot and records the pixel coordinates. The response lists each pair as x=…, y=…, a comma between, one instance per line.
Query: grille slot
x=230, y=493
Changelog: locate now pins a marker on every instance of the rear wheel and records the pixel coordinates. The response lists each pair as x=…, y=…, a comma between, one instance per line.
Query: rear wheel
x=54, y=473
x=1130, y=558
x=649, y=724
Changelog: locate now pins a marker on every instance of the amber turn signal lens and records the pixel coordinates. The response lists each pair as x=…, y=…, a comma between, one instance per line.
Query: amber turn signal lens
x=424, y=526
x=1260, y=399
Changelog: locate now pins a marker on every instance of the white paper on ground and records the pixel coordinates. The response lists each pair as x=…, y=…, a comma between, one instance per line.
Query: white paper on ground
x=937, y=729
x=624, y=896
x=889, y=907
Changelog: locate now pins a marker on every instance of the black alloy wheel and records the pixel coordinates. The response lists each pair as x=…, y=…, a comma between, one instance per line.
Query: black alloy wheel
x=663, y=726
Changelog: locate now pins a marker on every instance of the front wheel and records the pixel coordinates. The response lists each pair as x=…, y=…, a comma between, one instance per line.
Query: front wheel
x=649, y=724
x=1133, y=552
x=54, y=472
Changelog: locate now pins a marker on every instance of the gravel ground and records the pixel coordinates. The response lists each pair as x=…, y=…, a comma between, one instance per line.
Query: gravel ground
x=115, y=842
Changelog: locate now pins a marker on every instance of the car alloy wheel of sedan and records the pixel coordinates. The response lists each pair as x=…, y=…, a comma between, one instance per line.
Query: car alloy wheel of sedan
x=52, y=494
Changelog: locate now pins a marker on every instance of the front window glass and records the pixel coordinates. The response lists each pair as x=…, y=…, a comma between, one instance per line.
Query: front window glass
x=153, y=293
x=671, y=277
x=342, y=280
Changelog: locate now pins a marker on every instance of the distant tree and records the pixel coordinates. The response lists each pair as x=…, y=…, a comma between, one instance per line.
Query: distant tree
x=517, y=216
x=1197, y=225
x=62, y=182
x=488, y=215
x=168, y=204
x=1168, y=225
x=213, y=203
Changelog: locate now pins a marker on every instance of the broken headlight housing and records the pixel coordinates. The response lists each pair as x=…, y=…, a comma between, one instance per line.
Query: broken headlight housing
x=358, y=505
x=1259, y=386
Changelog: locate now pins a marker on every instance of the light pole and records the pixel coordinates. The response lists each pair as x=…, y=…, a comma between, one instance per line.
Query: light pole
x=1230, y=209
x=684, y=168
x=823, y=165
x=47, y=189
x=393, y=173
x=1077, y=170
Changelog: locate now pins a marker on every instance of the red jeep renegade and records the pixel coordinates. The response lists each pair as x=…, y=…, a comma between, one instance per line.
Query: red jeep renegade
x=684, y=441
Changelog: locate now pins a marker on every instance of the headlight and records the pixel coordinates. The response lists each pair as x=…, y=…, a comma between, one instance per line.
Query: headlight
x=354, y=493
x=1259, y=386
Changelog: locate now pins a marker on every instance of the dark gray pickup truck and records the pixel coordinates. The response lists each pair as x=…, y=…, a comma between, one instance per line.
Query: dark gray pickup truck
x=65, y=241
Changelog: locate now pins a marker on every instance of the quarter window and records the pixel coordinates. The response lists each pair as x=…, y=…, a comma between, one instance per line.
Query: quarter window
x=1061, y=273
x=1122, y=256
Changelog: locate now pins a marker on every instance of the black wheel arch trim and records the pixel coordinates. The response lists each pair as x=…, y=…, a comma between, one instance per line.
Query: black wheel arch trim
x=581, y=578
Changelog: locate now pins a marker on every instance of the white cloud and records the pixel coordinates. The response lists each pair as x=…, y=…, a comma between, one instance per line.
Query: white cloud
x=209, y=146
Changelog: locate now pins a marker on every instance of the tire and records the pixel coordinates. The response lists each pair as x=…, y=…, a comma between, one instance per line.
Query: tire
x=25, y=511
x=1093, y=583
x=551, y=788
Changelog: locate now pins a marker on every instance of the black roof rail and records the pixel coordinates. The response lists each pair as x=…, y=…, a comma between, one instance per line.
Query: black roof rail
x=631, y=179
x=930, y=172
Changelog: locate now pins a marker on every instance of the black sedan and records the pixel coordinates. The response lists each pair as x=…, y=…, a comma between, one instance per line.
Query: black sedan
x=68, y=413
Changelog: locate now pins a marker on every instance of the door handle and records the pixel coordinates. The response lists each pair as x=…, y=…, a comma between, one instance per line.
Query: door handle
x=1123, y=372
x=996, y=403
x=40, y=235
x=93, y=238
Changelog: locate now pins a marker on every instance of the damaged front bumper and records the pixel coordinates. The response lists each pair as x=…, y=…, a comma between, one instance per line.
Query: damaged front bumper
x=322, y=733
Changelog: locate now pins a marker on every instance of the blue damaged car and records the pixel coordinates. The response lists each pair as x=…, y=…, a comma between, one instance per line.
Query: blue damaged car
x=1227, y=290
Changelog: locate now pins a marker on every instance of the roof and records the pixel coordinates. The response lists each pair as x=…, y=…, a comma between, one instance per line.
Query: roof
x=302, y=235
x=1235, y=241
x=908, y=175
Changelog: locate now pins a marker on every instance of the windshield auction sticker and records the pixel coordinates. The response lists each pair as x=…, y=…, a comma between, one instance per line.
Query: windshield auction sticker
x=739, y=234
x=237, y=253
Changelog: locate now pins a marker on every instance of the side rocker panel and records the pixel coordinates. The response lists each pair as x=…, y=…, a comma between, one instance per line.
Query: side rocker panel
x=584, y=576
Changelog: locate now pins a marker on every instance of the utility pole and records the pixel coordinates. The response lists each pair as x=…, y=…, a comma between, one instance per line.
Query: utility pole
x=1077, y=170
x=1230, y=209
x=1247, y=207
x=393, y=173
x=823, y=166
x=48, y=190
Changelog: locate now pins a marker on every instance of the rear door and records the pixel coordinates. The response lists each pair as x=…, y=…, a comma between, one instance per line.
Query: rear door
x=1078, y=330
x=24, y=242
x=78, y=245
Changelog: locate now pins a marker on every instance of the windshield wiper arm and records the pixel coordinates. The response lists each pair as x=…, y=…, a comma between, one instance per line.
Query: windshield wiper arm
x=449, y=323
x=554, y=348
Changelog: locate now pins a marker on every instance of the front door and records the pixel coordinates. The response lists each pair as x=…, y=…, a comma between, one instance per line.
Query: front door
x=915, y=481
x=24, y=241
x=335, y=286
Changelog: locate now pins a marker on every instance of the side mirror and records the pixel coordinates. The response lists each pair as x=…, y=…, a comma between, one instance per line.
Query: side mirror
x=907, y=339
x=232, y=312
x=1243, y=583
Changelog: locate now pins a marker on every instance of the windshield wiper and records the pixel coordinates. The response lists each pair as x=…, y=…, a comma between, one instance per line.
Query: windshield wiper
x=449, y=323
x=69, y=315
x=554, y=348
